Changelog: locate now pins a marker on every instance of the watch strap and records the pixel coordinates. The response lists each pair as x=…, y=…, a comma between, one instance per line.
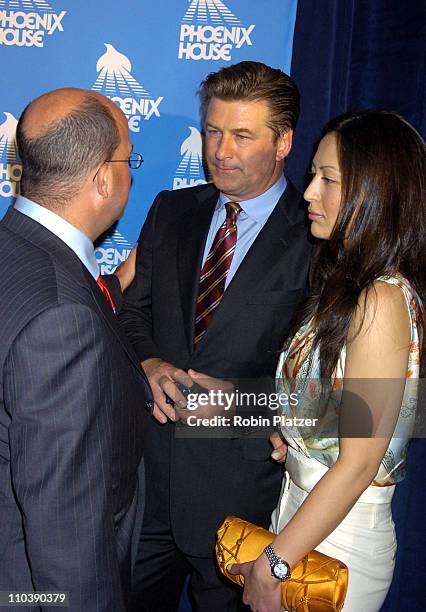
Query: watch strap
x=275, y=560
x=271, y=555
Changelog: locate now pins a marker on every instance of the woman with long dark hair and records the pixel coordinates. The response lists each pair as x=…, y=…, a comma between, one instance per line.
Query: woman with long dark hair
x=355, y=358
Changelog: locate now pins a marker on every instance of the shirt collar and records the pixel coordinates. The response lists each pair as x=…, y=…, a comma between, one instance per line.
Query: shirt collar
x=260, y=207
x=68, y=233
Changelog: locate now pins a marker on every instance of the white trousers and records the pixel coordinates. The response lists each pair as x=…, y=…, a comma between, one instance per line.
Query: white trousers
x=364, y=540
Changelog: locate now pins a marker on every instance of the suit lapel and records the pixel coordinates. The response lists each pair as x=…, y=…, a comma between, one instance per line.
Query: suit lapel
x=70, y=264
x=109, y=316
x=264, y=255
x=193, y=230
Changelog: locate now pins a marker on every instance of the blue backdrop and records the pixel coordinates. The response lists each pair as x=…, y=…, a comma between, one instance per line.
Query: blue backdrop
x=149, y=58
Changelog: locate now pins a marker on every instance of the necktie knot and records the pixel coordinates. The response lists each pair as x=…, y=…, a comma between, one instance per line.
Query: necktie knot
x=233, y=209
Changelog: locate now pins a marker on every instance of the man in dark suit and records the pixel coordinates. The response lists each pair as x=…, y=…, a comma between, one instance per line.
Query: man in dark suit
x=72, y=390
x=249, y=112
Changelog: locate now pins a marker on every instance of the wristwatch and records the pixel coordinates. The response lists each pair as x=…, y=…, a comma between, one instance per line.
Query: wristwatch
x=280, y=569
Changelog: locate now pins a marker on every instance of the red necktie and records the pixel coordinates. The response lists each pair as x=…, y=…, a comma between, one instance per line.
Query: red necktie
x=215, y=270
x=104, y=287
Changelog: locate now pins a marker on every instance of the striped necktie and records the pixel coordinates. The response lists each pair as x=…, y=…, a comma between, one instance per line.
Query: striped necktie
x=215, y=270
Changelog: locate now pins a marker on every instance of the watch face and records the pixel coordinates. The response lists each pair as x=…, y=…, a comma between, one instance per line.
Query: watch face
x=281, y=570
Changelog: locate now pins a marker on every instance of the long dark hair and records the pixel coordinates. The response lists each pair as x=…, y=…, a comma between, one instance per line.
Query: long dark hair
x=380, y=229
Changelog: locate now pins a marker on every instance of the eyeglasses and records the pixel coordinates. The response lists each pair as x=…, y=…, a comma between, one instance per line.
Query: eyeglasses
x=134, y=160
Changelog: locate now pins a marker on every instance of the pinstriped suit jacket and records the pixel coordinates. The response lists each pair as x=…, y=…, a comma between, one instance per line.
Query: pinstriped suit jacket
x=72, y=398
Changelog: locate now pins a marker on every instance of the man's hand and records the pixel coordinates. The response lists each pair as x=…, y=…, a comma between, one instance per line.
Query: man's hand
x=262, y=592
x=126, y=271
x=279, y=453
x=214, y=396
x=162, y=377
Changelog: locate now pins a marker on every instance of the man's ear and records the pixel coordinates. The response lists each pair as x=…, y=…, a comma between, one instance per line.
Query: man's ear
x=102, y=180
x=284, y=144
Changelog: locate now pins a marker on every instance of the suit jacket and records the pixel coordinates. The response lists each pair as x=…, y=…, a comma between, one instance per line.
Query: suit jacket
x=71, y=422
x=206, y=479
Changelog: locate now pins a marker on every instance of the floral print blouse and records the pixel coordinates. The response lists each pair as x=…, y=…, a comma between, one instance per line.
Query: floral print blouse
x=299, y=371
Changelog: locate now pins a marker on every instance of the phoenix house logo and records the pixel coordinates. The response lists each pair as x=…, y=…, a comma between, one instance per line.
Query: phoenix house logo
x=113, y=250
x=25, y=23
x=117, y=83
x=210, y=31
x=191, y=170
x=10, y=167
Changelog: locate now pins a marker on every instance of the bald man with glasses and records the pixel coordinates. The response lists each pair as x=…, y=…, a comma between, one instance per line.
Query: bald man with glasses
x=72, y=392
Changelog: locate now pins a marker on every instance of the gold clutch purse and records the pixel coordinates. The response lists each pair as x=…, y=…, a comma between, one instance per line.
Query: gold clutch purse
x=318, y=583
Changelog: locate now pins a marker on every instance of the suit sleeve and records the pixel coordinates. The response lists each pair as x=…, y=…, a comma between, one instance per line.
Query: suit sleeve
x=59, y=400
x=136, y=313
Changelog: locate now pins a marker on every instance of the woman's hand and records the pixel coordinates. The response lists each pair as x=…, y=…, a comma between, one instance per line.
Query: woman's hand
x=262, y=592
x=280, y=447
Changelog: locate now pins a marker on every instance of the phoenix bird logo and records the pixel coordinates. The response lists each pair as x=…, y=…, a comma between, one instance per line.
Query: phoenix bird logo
x=115, y=239
x=112, y=250
x=191, y=150
x=115, y=74
x=209, y=10
x=8, y=138
x=27, y=5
